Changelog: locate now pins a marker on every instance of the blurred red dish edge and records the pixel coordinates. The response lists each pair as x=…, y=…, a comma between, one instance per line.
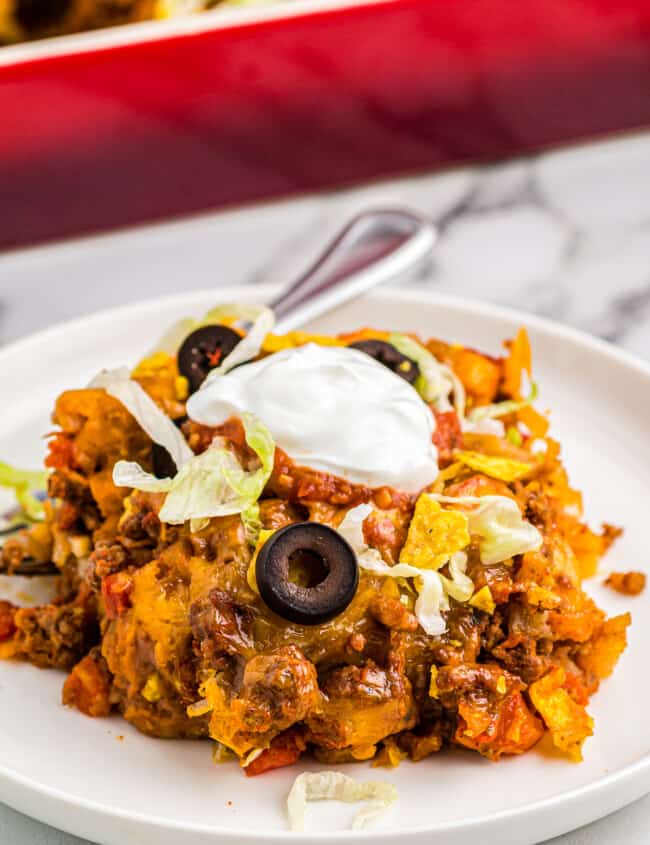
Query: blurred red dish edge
x=153, y=120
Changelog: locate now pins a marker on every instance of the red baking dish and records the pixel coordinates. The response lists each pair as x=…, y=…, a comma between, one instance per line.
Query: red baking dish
x=150, y=120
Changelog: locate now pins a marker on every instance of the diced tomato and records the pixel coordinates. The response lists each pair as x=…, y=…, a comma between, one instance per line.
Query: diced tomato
x=448, y=435
x=215, y=358
x=479, y=485
x=517, y=361
x=116, y=592
x=285, y=750
x=7, y=624
x=87, y=688
x=61, y=452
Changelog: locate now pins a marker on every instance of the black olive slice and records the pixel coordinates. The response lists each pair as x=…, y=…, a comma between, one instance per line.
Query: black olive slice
x=390, y=357
x=307, y=573
x=164, y=466
x=203, y=350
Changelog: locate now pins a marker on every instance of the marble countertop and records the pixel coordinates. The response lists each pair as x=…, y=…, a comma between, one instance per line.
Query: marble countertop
x=565, y=235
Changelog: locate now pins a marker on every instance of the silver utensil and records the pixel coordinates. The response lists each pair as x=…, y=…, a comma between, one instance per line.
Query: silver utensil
x=375, y=247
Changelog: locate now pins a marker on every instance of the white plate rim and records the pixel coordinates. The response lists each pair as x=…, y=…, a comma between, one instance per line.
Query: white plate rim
x=573, y=799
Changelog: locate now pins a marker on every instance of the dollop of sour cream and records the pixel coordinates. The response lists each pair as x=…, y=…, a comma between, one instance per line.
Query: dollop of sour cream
x=334, y=409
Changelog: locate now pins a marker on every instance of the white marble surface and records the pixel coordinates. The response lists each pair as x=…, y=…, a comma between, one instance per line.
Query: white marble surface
x=566, y=235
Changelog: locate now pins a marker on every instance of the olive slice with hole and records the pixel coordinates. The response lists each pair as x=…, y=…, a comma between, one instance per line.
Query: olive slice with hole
x=390, y=357
x=307, y=573
x=203, y=350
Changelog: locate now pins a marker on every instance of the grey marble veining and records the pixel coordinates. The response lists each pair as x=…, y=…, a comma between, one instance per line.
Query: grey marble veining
x=565, y=235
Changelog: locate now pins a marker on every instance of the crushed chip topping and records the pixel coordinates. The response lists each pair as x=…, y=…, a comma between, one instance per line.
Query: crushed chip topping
x=482, y=600
x=568, y=721
x=434, y=535
x=503, y=469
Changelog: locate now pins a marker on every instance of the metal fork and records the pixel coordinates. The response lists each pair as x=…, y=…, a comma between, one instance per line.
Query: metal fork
x=375, y=247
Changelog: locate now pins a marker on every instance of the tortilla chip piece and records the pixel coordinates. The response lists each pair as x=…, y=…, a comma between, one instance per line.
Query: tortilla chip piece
x=588, y=546
x=518, y=361
x=578, y=618
x=390, y=756
x=434, y=535
x=541, y=597
x=568, y=722
x=479, y=374
x=277, y=342
x=598, y=657
x=507, y=728
x=503, y=469
x=536, y=422
x=483, y=600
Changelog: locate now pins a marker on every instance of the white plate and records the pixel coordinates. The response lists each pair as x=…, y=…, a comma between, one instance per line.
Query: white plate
x=76, y=773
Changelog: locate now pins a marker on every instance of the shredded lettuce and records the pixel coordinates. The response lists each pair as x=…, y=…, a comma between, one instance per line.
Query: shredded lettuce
x=249, y=347
x=459, y=585
x=497, y=520
x=351, y=529
x=243, y=312
x=432, y=587
x=25, y=483
x=171, y=341
x=210, y=484
x=119, y=384
x=436, y=381
x=500, y=409
x=258, y=318
x=335, y=786
x=483, y=426
x=251, y=485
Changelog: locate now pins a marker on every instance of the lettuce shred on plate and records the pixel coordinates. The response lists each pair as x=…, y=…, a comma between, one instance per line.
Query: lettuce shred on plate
x=462, y=622
x=26, y=485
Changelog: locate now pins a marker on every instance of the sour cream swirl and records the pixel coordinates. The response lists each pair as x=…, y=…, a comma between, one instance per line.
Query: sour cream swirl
x=334, y=409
